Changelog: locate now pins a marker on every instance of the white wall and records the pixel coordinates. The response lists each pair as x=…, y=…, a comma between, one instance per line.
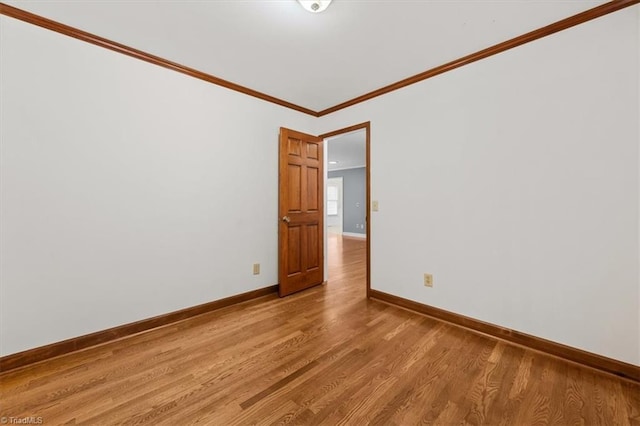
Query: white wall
x=128, y=190
x=514, y=181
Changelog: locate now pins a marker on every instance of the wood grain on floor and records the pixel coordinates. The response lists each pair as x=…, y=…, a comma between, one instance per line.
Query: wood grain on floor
x=323, y=356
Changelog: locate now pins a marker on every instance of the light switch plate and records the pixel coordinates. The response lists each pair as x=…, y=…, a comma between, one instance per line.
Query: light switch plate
x=374, y=206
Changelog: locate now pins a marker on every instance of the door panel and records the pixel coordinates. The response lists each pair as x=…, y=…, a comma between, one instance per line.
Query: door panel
x=312, y=151
x=294, y=252
x=295, y=187
x=313, y=256
x=313, y=183
x=301, y=208
x=294, y=147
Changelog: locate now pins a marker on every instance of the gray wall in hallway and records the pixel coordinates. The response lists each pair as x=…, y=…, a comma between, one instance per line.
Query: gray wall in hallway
x=354, y=198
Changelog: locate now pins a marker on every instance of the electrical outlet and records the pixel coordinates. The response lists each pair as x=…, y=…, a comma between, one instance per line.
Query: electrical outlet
x=256, y=269
x=428, y=280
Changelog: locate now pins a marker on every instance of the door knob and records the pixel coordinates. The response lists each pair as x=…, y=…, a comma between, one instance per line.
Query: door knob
x=286, y=219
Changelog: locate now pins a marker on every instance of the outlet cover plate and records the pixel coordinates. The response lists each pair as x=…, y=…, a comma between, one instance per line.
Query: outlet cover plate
x=428, y=280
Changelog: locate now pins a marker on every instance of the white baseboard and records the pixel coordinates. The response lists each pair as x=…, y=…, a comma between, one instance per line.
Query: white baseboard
x=354, y=234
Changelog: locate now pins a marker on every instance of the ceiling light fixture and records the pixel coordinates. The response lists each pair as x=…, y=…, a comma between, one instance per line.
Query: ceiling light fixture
x=315, y=6
x=333, y=162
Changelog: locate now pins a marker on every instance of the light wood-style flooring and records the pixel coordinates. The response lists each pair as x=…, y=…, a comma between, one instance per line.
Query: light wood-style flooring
x=323, y=356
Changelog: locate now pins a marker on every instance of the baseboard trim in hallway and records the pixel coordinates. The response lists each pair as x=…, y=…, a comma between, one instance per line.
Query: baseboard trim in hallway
x=589, y=359
x=354, y=235
x=42, y=353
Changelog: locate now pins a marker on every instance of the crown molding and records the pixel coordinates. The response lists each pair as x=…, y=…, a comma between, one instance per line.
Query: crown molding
x=70, y=31
x=572, y=21
x=364, y=166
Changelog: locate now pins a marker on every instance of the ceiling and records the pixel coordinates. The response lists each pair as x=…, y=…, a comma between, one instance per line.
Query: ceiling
x=312, y=60
x=348, y=150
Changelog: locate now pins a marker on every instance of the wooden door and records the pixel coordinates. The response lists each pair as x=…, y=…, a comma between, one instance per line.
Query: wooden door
x=301, y=239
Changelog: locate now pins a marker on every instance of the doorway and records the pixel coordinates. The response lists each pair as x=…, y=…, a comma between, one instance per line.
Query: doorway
x=302, y=245
x=347, y=196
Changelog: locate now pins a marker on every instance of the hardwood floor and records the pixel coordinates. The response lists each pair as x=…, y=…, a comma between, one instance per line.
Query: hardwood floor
x=323, y=356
